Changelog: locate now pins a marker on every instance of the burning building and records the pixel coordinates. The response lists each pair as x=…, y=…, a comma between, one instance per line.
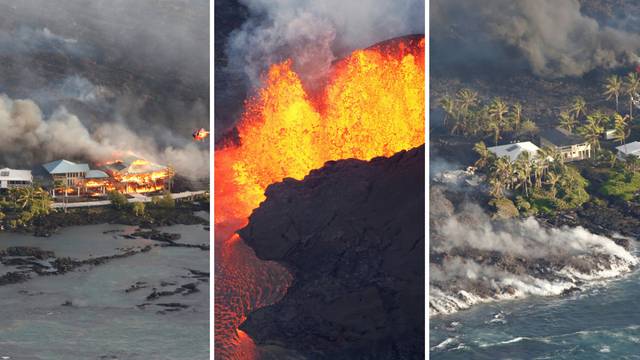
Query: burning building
x=136, y=175
x=68, y=177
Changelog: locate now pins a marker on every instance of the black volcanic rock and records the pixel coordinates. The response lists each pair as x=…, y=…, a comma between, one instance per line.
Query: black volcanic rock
x=352, y=233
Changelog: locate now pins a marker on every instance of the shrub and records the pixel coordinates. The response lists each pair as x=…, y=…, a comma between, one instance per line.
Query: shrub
x=164, y=202
x=118, y=200
x=138, y=208
x=503, y=208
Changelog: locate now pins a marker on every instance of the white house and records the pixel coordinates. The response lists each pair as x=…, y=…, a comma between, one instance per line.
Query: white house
x=632, y=148
x=514, y=150
x=11, y=178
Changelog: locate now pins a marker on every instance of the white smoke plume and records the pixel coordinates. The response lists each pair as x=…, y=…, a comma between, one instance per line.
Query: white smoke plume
x=28, y=138
x=313, y=33
x=482, y=261
x=554, y=36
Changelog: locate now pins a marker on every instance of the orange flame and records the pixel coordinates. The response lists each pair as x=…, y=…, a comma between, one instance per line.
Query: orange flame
x=200, y=134
x=373, y=105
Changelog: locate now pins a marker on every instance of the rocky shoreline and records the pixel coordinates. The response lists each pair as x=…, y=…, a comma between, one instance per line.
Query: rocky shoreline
x=554, y=255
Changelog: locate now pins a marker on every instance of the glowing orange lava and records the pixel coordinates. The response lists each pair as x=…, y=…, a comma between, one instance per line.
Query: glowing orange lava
x=373, y=105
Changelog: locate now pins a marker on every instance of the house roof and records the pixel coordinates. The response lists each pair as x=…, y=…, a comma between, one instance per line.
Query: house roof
x=15, y=175
x=560, y=137
x=514, y=150
x=64, y=167
x=632, y=148
x=96, y=174
x=135, y=165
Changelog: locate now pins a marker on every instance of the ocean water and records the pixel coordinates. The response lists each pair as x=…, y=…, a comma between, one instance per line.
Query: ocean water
x=105, y=321
x=602, y=322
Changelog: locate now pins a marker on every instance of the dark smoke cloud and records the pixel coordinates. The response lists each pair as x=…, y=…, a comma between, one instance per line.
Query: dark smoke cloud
x=28, y=138
x=553, y=36
x=314, y=33
x=112, y=75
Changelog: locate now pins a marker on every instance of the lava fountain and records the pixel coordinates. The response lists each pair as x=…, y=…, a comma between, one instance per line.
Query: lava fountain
x=373, y=104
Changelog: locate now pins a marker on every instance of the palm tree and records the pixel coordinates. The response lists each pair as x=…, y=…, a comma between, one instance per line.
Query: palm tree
x=503, y=168
x=466, y=99
x=631, y=87
x=516, y=117
x=622, y=130
x=497, y=187
x=524, y=166
x=591, y=132
x=552, y=180
x=447, y=104
x=567, y=121
x=612, y=88
x=528, y=128
x=578, y=107
x=25, y=196
x=497, y=111
x=484, y=153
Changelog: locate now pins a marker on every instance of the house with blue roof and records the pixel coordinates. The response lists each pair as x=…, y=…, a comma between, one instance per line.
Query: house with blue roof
x=67, y=174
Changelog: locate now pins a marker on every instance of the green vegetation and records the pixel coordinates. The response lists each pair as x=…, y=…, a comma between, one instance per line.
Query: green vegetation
x=465, y=114
x=138, y=209
x=118, y=200
x=503, y=208
x=622, y=185
x=21, y=206
x=539, y=183
x=164, y=202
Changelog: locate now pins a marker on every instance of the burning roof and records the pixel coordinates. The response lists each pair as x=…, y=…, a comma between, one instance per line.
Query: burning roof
x=134, y=165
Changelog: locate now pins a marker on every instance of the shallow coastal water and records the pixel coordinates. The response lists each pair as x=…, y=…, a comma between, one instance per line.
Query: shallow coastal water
x=602, y=322
x=104, y=321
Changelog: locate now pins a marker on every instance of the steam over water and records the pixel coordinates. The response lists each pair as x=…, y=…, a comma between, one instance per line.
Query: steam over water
x=602, y=322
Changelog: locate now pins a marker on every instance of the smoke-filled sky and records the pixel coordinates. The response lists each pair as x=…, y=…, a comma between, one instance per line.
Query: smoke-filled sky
x=553, y=38
x=81, y=79
x=312, y=33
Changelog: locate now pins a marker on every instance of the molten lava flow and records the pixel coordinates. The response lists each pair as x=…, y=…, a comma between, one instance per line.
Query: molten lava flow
x=373, y=105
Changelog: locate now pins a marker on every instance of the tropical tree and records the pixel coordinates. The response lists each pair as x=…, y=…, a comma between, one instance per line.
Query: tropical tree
x=592, y=131
x=516, y=117
x=484, y=153
x=448, y=104
x=497, y=112
x=528, y=128
x=631, y=87
x=578, y=107
x=552, y=179
x=524, y=166
x=613, y=88
x=503, y=168
x=622, y=129
x=567, y=121
x=466, y=98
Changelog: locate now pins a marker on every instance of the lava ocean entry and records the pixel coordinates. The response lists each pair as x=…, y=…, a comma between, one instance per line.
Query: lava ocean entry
x=373, y=104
